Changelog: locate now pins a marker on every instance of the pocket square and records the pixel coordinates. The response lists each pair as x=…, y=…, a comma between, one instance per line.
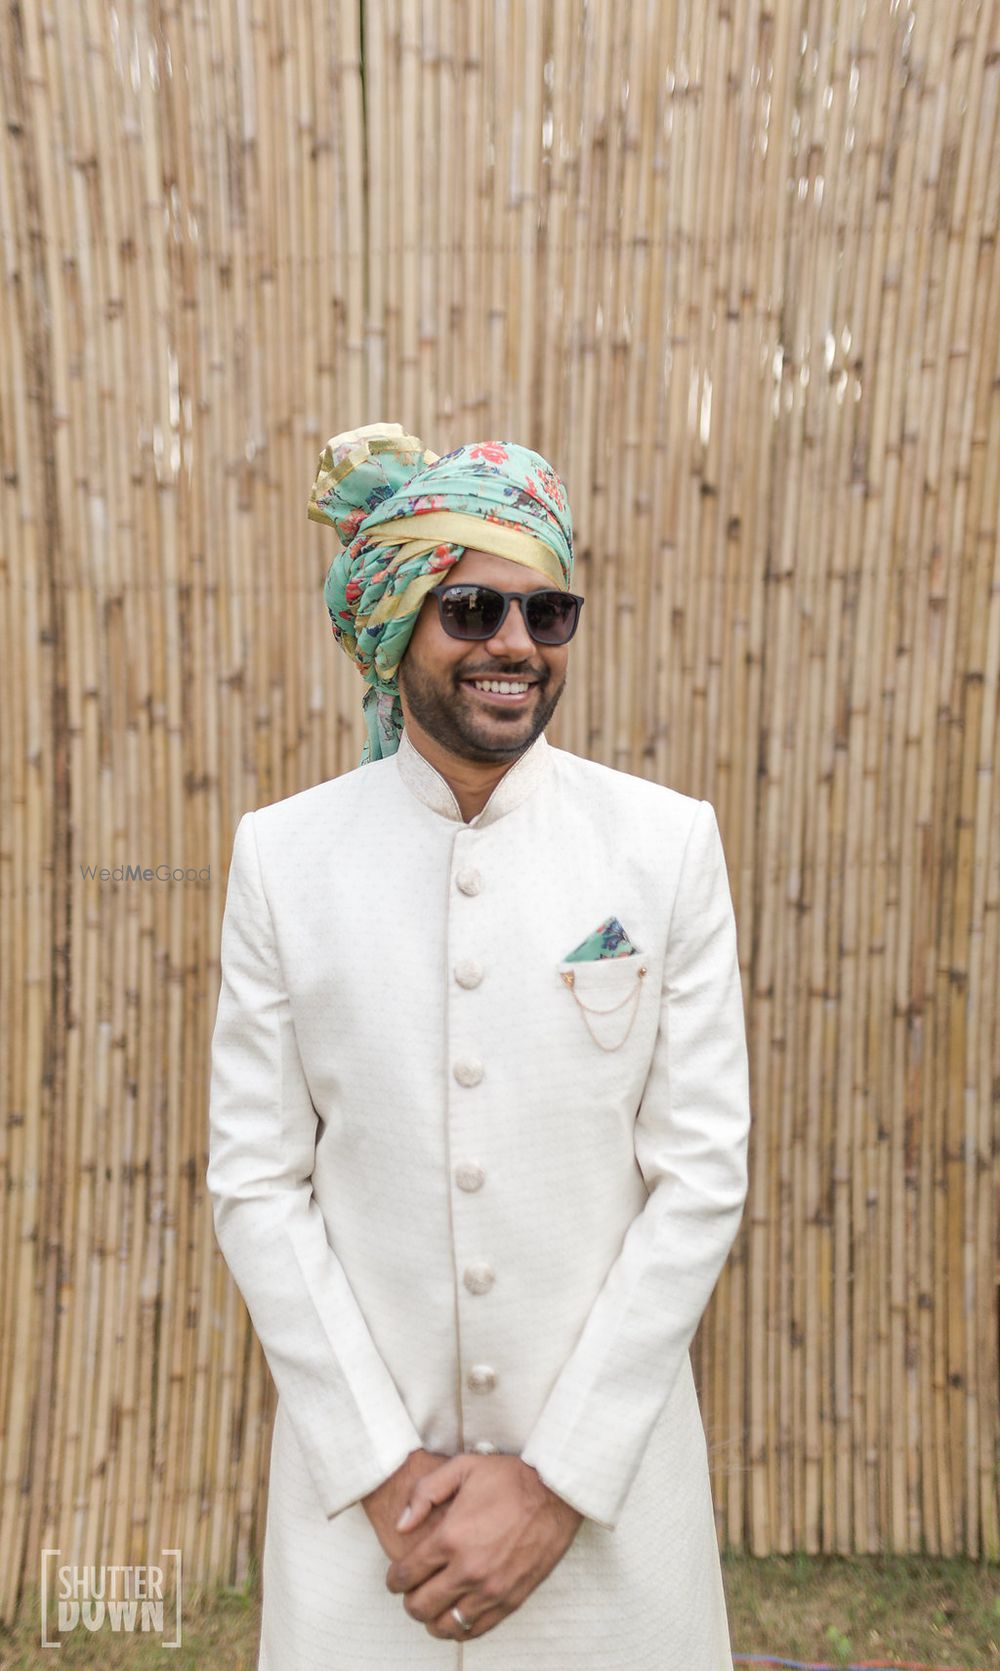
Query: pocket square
x=609, y=940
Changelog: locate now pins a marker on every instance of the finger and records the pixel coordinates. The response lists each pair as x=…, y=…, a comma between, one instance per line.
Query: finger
x=447, y=1628
x=426, y=1602
x=443, y=1589
x=415, y=1568
x=488, y=1620
x=431, y=1489
x=432, y=1603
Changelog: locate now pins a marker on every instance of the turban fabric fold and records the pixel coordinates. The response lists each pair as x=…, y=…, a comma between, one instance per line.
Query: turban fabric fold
x=404, y=516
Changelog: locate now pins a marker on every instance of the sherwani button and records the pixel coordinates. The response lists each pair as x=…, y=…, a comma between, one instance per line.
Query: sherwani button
x=469, y=880
x=469, y=1071
x=479, y=1277
x=484, y=1447
x=469, y=1176
x=481, y=1378
x=468, y=972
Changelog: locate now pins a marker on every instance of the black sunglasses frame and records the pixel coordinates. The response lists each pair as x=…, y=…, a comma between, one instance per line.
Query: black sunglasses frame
x=440, y=592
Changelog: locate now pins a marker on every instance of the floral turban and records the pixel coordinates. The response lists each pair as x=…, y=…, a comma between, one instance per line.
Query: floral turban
x=403, y=516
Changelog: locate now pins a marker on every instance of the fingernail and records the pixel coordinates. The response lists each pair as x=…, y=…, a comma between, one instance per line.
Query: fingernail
x=404, y=1517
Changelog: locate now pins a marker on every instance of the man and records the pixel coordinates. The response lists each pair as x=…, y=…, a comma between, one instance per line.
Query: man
x=479, y=1117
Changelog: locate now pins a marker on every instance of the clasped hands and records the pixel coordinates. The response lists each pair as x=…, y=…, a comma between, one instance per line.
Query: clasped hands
x=482, y=1532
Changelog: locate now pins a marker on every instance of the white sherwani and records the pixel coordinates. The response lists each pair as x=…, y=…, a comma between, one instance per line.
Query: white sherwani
x=467, y=1214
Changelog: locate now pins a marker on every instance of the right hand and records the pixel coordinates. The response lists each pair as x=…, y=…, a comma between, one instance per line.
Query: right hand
x=385, y=1504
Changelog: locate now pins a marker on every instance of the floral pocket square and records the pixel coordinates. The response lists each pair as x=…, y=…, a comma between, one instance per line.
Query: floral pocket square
x=609, y=940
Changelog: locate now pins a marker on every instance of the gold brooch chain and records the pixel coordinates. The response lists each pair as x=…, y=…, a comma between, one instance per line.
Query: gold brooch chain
x=569, y=978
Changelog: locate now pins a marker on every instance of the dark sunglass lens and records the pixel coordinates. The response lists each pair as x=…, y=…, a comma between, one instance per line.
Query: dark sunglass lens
x=472, y=611
x=551, y=617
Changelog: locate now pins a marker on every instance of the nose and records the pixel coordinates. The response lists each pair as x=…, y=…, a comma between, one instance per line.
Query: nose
x=512, y=639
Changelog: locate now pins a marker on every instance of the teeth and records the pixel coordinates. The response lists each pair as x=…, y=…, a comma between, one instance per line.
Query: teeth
x=500, y=687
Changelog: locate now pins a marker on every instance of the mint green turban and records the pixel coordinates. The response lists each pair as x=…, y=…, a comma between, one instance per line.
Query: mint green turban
x=404, y=516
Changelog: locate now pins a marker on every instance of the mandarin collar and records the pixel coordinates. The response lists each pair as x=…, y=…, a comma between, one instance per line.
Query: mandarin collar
x=425, y=782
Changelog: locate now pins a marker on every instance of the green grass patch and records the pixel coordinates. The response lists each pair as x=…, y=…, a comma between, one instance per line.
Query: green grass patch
x=842, y=1611
x=219, y=1631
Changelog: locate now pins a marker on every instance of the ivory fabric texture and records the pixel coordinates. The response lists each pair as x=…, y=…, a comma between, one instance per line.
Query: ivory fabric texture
x=457, y=1221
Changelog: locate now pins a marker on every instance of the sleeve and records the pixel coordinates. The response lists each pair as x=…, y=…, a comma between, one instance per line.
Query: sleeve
x=342, y=1403
x=691, y=1145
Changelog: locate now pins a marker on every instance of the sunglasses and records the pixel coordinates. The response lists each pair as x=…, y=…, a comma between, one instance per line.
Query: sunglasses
x=476, y=612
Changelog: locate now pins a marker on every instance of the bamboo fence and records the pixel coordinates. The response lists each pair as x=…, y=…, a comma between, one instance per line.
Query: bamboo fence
x=734, y=269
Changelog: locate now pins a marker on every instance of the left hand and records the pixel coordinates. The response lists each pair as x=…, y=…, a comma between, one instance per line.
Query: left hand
x=501, y=1535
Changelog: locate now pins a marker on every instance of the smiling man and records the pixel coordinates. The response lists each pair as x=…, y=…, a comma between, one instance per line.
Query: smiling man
x=479, y=1118
x=470, y=713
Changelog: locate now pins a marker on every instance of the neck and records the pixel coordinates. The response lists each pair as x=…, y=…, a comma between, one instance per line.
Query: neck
x=472, y=782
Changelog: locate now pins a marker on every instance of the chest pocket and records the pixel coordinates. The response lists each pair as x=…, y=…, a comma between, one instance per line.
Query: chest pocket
x=610, y=995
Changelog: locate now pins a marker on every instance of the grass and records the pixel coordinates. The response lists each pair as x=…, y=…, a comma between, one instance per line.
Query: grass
x=835, y=1611
x=218, y=1633
x=843, y=1611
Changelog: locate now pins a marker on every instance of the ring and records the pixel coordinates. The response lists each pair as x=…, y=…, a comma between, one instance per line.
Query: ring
x=456, y=1615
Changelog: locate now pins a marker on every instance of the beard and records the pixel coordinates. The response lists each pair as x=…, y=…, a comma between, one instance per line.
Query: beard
x=451, y=713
